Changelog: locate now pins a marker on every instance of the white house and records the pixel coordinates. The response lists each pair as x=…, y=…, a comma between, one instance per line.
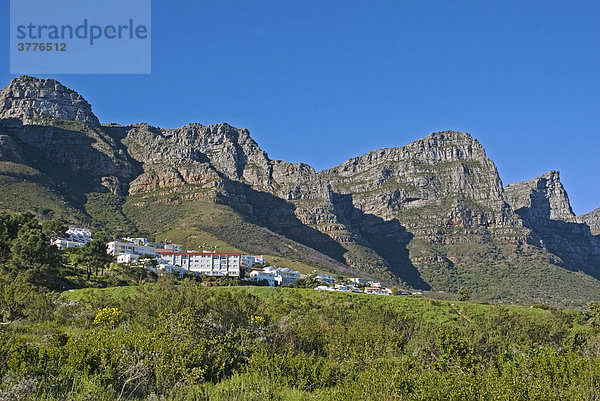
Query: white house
x=359, y=280
x=377, y=291
x=62, y=243
x=209, y=263
x=117, y=248
x=127, y=258
x=259, y=275
x=325, y=279
x=248, y=261
x=285, y=276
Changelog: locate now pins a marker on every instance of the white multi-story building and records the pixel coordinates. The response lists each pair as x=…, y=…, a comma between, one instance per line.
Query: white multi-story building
x=248, y=261
x=157, y=245
x=117, y=248
x=285, y=276
x=209, y=263
x=75, y=238
x=79, y=234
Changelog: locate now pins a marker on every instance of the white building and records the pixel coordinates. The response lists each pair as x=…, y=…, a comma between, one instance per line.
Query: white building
x=325, y=279
x=209, y=263
x=259, y=275
x=117, y=248
x=285, y=276
x=79, y=234
x=62, y=243
x=156, y=245
x=75, y=238
x=248, y=261
x=170, y=247
x=359, y=280
x=127, y=258
x=377, y=291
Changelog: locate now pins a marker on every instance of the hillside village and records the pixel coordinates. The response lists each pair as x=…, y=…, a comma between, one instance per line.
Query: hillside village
x=166, y=258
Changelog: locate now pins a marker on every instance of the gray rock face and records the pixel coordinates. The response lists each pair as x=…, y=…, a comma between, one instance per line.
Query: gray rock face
x=544, y=206
x=543, y=198
x=592, y=219
x=444, y=166
x=29, y=99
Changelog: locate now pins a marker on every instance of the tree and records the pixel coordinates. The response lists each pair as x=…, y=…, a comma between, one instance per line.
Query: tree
x=54, y=228
x=32, y=253
x=93, y=255
x=10, y=224
x=592, y=313
x=464, y=294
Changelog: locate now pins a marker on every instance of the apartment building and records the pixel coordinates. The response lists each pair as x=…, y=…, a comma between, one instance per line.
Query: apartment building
x=209, y=263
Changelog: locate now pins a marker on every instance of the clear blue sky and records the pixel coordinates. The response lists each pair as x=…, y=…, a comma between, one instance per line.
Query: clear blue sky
x=322, y=81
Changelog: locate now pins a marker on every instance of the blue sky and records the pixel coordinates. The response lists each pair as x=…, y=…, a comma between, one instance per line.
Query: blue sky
x=322, y=81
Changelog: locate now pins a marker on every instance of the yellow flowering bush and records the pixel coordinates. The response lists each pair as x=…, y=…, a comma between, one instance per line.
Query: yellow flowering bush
x=257, y=320
x=108, y=316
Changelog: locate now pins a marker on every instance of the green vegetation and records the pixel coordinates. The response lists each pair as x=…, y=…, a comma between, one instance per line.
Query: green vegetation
x=105, y=211
x=177, y=340
x=171, y=339
x=25, y=189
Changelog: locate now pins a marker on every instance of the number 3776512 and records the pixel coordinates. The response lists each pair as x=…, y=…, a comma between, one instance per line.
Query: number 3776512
x=42, y=47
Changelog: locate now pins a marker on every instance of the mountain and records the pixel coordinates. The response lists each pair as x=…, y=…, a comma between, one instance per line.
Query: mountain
x=432, y=214
x=592, y=219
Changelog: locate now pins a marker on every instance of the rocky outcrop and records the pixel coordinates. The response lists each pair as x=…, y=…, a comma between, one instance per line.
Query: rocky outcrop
x=544, y=206
x=30, y=100
x=592, y=219
x=541, y=198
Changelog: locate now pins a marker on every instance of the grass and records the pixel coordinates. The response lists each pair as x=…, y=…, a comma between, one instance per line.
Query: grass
x=424, y=309
x=117, y=293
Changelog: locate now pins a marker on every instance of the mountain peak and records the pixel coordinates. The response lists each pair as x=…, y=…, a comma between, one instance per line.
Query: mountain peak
x=541, y=196
x=29, y=99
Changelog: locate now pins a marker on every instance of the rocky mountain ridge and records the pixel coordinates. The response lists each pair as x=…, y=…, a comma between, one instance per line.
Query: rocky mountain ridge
x=433, y=214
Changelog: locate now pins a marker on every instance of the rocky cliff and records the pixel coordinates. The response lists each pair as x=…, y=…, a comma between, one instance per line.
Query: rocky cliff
x=541, y=198
x=432, y=214
x=29, y=99
x=592, y=219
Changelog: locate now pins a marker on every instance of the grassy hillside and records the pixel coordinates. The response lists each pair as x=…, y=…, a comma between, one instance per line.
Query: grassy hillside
x=23, y=188
x=208, y=225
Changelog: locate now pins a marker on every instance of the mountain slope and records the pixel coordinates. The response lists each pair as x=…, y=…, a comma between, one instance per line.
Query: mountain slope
x=433, y=214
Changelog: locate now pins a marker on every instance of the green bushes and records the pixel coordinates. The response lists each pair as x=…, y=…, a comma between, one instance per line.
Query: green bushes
x=177, y=340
